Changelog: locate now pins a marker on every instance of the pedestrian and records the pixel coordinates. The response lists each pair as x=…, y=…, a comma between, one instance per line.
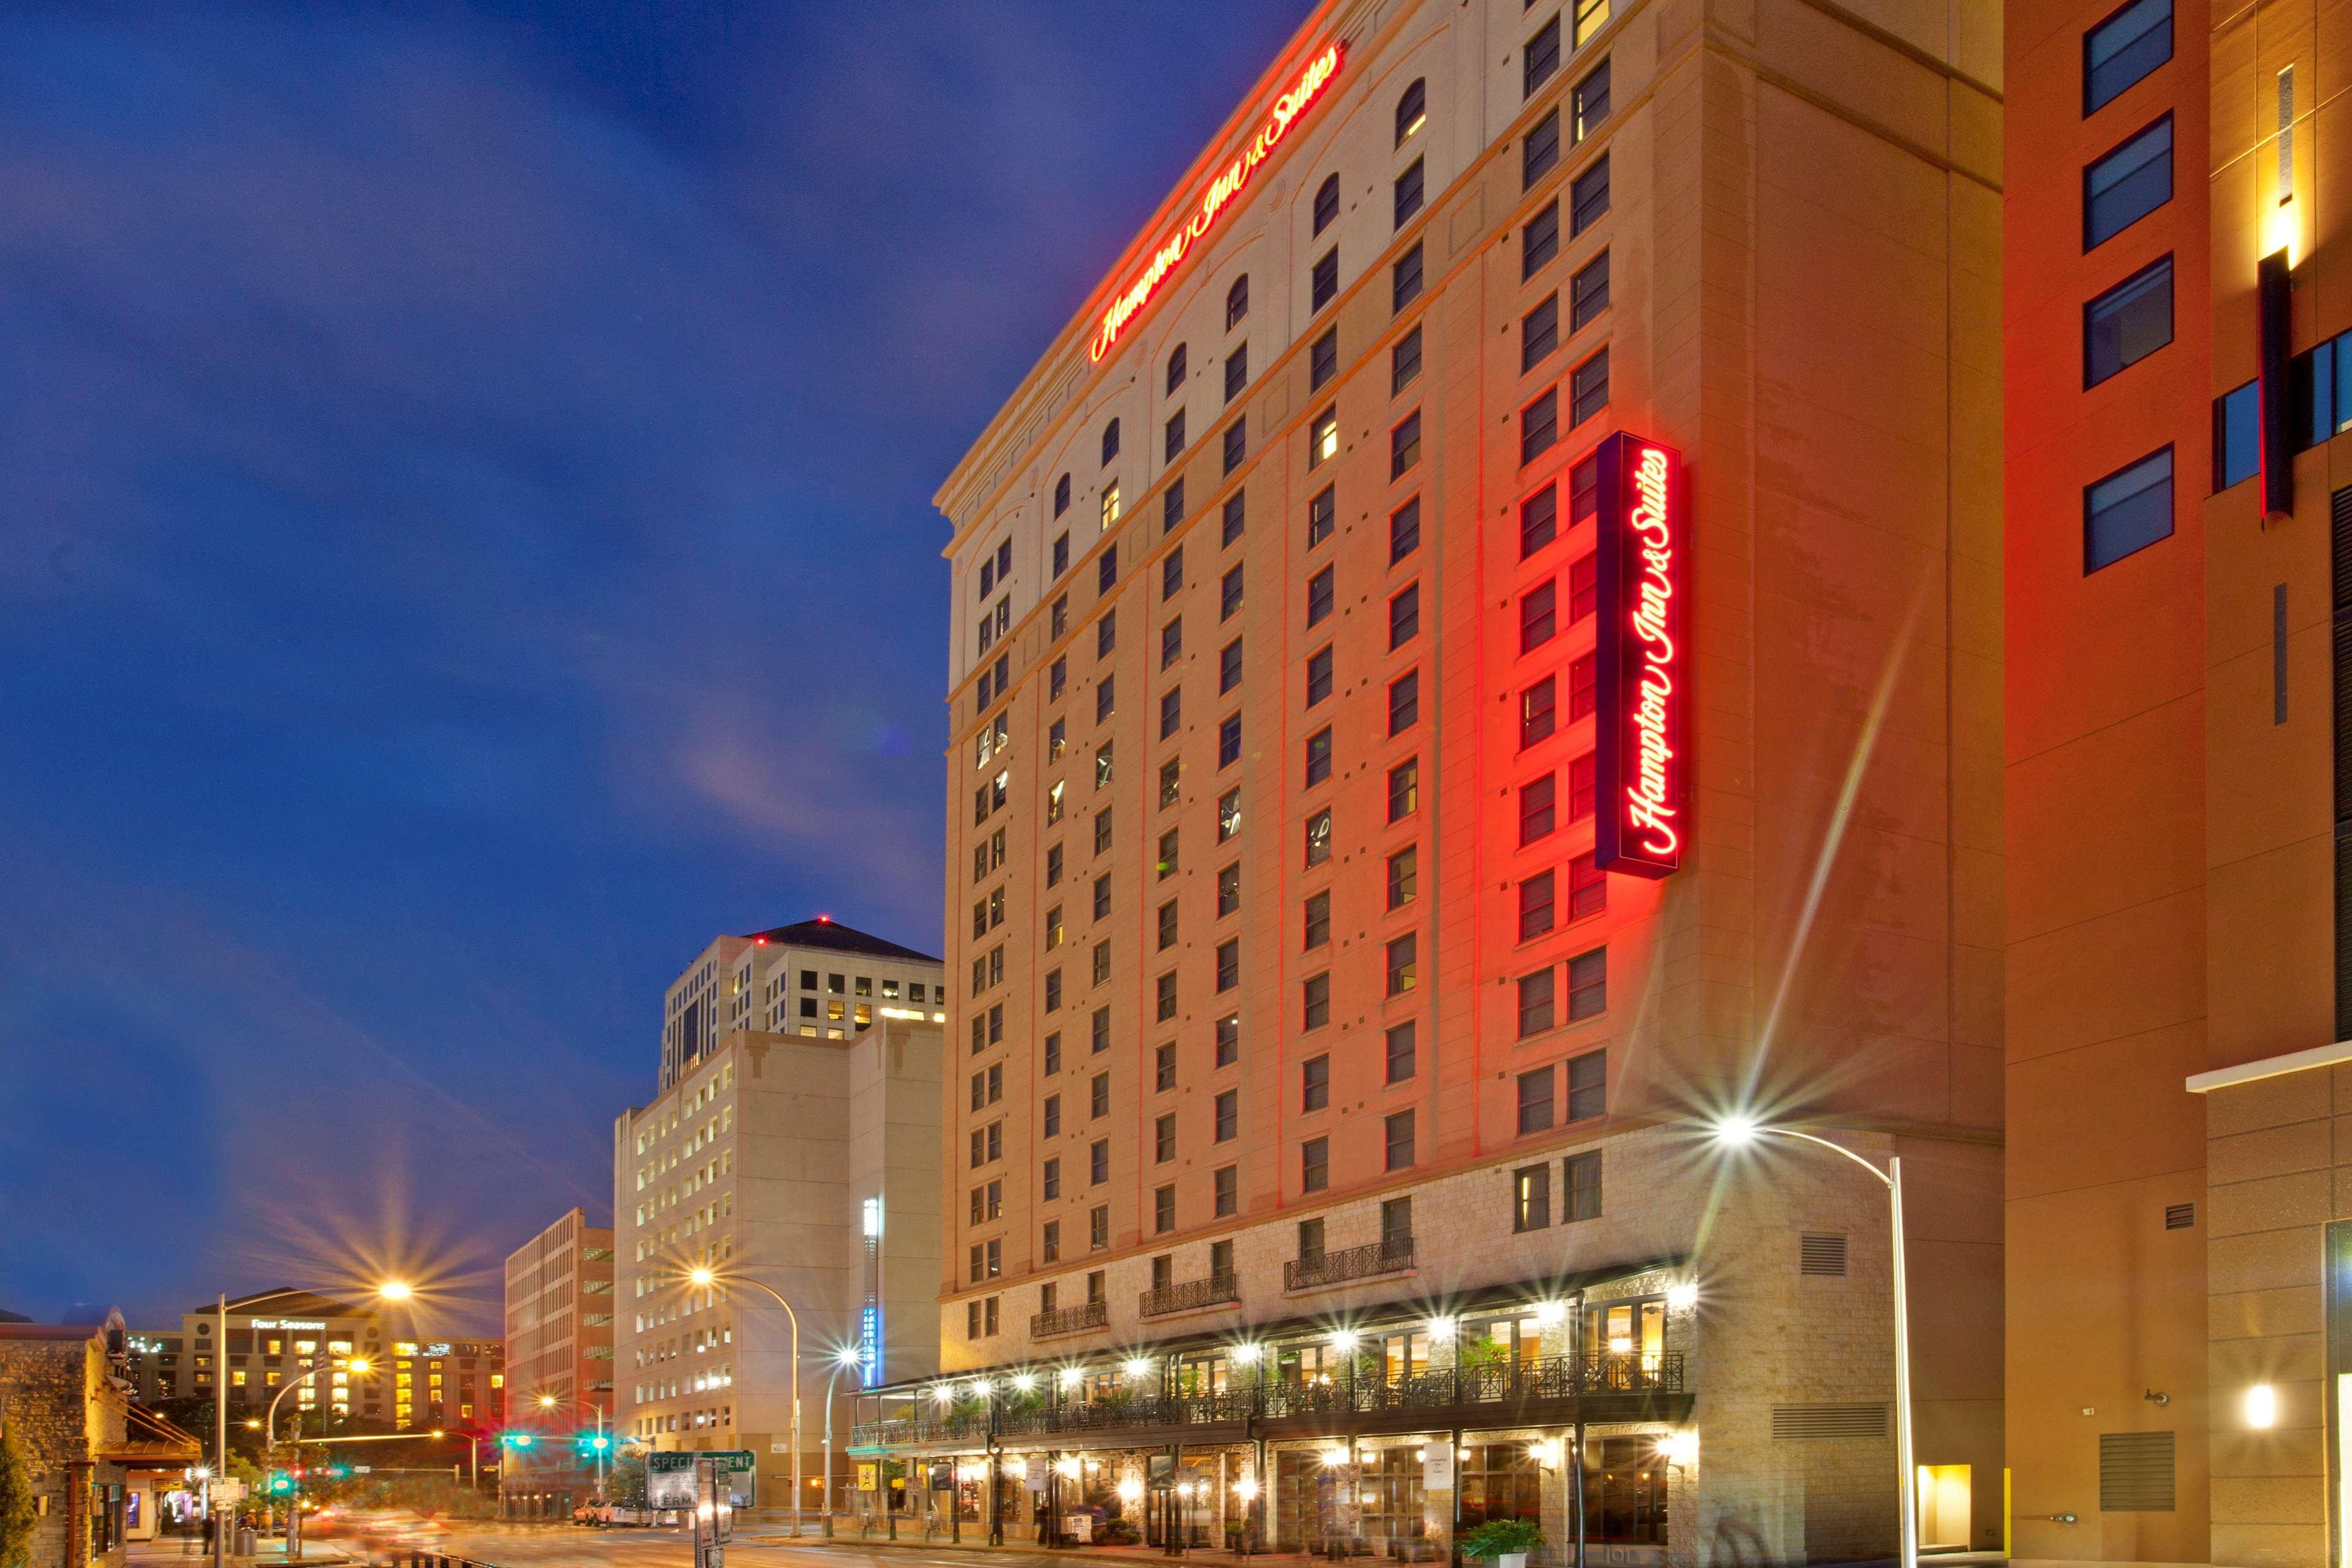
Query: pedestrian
x=212, y=1525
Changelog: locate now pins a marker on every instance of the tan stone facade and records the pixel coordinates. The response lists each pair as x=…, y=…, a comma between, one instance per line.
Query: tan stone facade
x=559, y=1347
x=57, y=1401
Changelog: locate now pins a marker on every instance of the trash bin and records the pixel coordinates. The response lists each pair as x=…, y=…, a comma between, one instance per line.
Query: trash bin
x=247, y=1545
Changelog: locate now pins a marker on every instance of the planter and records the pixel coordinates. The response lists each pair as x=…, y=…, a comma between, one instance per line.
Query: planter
x=1512, y=1560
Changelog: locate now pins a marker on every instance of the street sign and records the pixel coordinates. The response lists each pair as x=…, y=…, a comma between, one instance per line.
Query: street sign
x=228, y=1489
x=669, y=1475
x=868, y=1476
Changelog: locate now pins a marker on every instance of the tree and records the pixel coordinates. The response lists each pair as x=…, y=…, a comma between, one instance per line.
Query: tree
x=16, y=1515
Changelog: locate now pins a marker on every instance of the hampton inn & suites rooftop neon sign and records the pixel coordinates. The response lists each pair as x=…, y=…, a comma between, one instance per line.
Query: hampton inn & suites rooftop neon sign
x=1302, y=96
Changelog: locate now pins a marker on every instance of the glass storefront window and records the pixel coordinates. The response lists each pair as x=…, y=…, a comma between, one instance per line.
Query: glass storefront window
x=1618, y=1330
x=1500, y=1480
x=1624, y=1492
x=1497, y=1342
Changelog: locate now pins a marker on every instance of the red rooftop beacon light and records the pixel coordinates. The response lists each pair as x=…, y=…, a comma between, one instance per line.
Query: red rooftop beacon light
x=1641, y=772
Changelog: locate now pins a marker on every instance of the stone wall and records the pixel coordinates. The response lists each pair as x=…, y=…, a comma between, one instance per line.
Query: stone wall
x=52, y=1397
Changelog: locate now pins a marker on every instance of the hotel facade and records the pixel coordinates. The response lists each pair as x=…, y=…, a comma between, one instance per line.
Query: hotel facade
x=1475, y=653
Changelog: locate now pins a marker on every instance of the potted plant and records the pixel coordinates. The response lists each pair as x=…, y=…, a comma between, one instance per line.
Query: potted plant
x=1505, y=1542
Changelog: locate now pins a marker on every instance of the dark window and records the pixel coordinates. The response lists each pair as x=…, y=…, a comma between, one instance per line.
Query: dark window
x=1229, y=667
x=1107, y=570
x=1234, y=518
x=1168, y=930
x=1323, y=360
x=1535, y=906
x=1315, y=1002
x=1404, y=789
x=1319, y=838
x=1539, y=153
x=1229, y=890
x=1229, y=741
x=1539, y=426
x=1238, y=303
x=2128, y=183
x=1236, y=443
x=1228, y=1115
x=1316, y=925
x=1322, y=516
x=1404, y=876
x=1327, y=202
x=1539, y=712
x=1172, y=506
x=1319, y=676
x=1588, y=292
x=1539, y=241
x=1171, y=642
x=1405, y=279
x=1539, y=618
x=1163, y=1137
x=1171, y=711
x=1588, y=197
x=1588, y=984
x=1587, y=1086
x=1404, y=536
x=2128, y=510
x=1176, y=369
x=1405, y=445
x=1534, y=1003
x=1172, y=444
x=1408, y=194
x=1581, y=687
x=1411, y=109
x=1398, y=1141
x=1106, y=634
x=1323, y=283
x=2128, y=323
x=1584, y=492
x=1061, y=505
x=1588, y=888
x=1319, y=596
x=1583, y=587
x=2237, y=436
x=1399, y=1042
x=1106, y=704
x=2123, y=48
x=1579, y=788
x=1541, y=58
x=1229, y=965
x=1319, y=755
x=1532, y=1198
x=1109, y=442
x=1580, y=1181
x=1404, y=702
x=1229, y=1040
x=1587, y=386
x=1062, y=545
x=1404, y=362
x=1236, y=372
x=1590, y=102
x=1229, y=594
x=1404, y=616
x=1538, y=520
x=1538, y=332
x=1314, y=1175
x=1536, y=810
x=1315, y=1083
x=1535, y=1101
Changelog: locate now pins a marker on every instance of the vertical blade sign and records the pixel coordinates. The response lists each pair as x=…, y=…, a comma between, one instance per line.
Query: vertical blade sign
x=1644, y=665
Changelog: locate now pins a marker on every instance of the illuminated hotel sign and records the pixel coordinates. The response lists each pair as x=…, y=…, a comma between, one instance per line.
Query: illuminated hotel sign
x=1220, y=193
x=288, y=1323
x=1644, y=662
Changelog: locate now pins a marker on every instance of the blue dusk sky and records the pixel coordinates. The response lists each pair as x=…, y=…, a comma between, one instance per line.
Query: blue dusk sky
x=465, y=541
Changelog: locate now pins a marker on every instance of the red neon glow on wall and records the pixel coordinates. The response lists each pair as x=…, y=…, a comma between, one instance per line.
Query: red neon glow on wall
x=1220, y=193
x=1640, y=769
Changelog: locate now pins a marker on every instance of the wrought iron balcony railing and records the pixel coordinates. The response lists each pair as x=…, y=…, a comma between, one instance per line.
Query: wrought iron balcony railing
x=1214, y=1291
x=1390, y=1254
x=1069, y=1320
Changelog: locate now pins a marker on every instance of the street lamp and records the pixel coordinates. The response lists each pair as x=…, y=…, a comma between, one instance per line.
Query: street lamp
x=706, y=1279
x=358, y=1363
x=1739, y=1132
x=602, y=1443
x=844, y=1359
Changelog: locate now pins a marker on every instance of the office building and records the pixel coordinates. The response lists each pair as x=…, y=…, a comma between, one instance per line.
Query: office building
x=1475, y=652
x=559, y=1367
x=794, y=1150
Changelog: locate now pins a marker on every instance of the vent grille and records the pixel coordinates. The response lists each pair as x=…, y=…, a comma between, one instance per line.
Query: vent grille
x=2136, y=1472
x=1827, y=1423
x=1820, y=1254
x=2179, y=1216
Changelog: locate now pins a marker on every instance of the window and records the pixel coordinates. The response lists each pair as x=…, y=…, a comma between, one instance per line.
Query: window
x=1229, y=814
x=1054, y=927
x=1101, y=962
x=1109, y=442
x=1535, y=906
x=1592, y=16
x=1535, y=1101
x=1163, y=1137
x=1323, y=360
x=1054, y=1061
x=1404, y=362
x=1097, y=1237
x=1403, y=963
x=1584, y=492
x=1102, y=896
x=1587, y=1086
x=1316, y=998
x=1406, y=280
x=1099, y=1096
x=1101, y=1031
x=1106, y=704
x=2128, y=323
x=1053, y=1128
x=1318, y=756
x=1537, y=711
x=1171, y=441
x=1404, y=609
x=1318, y=924
x=1323, y=283
x=1323, y=438
x=1404, y=538
x=1590, y=102
x=1313, y=1175
x=1538, y=617
x=1588, y=293
x=1236, y=443
x=1319, y=590
x=1397, y=1140
x=1167, y=863
x=1167, y=925
x=1404, y=702
x=2127, y=511
x=1539, y=241
x=1538, y=520
x=1587, y=386
x=1054, y=866
x=1107, y=563
x=1319, y=838
x=1588, y=984
x=2237, y=436
x=1058, y=679
x=1539, y=153
x=1411, y=110
x=1172, y=719
x=1236, y=372
x=1172, y=638
x=1538, y=426
x=1322, y=516
x=1405, y=445
x=1053, y=1252
x=1588, y=197
x=1061, y=505
x=1408, y=198
x=1580, y=688
x=1229, y=890
x=1403, y=876
x=1102, y=846
x=2128, y=183
x=1318, y=674
x=1534, y=1003
x=1583, y=587
x=1172, y=772
x=1538, y=332
x=1532, y=1198
x=1580, y=1181
x=1225, y=1182
x=1404, y=789
x=1235, y=509
x=1175, y=369
x=1315, y=1083
x=1229, y=741
x=1588, y=888
x=1327, y=202
x=1536, y=814
x=1229, y=595
x=2122, y=49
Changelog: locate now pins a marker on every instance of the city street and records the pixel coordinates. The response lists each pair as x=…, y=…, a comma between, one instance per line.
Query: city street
x=673, y=1549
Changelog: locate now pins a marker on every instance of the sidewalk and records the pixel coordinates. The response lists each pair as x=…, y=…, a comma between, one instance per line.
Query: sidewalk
x=976, y=1541
x=175, y=1551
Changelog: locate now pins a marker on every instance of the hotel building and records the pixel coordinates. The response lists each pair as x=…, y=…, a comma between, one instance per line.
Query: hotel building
x=2178, y=782
x=795, y=1145
x=1477, y=651
x=559, y=1360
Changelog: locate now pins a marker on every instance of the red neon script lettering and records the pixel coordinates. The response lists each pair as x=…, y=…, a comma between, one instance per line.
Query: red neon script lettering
x=1221, y=192
x=1648, y=794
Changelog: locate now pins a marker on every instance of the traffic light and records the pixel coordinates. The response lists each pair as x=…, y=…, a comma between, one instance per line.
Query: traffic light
x=516, y=1439
x=339, y=1472
x=280, y=1483
x=592, y=1442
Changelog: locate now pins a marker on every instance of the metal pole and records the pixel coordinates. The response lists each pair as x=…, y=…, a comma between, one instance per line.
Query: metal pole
x=1910, y=1476
x=1579, y=1462
x=220, y=1432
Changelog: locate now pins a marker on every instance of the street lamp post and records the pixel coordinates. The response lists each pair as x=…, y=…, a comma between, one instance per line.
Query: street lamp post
x=360, y=1365
x=1738, y=1130
x=705, y=1278
x=845, y=1358
x=549, y=1402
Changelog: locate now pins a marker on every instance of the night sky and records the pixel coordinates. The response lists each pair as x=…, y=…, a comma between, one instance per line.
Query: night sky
x=465, y=541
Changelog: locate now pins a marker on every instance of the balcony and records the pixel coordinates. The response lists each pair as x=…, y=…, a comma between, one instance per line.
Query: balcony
x=1069, y=1320
x=1390, y=1254
x=1216, y=1291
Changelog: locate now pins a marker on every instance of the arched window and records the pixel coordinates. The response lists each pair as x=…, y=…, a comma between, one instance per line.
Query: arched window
x=1327, y=202
x=1238, y=303
x=1061, y=495
x=1110, y=441
x=1413, y=108
x=1176, y=371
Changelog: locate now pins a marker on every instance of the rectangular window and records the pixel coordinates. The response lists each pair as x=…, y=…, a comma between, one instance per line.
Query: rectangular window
x=1580, y=688
x=1172, y=719
x=1404, y=702
x=1405, y=280
x=1537, y=712
x=1323, y=360
x=1539, y=153
x=1319, y=838
x=1588, y=888
x=1322, y=515
x=1404, y=789
x=2122, y=49
x=1229, y=741
x=1236, y=443
x=1163, y=1137
x=2237, y=436
x=1315, y=1167
x=1587, y=386
x=1323, y=438
x=1236, y=517
x=1229, y=814
x=1538, y=615
x=1408, y=194
x=1538, y=426
x=1535, y=908
x=1320, y=592
x=1229, y=965
x=1228, y=595
x=1541, y=59
x=1592, y=16
x=1228, y=1115
x=1100, y=1040
x=1236, y=372
x=2126, y=185
x=1532, y=1198
x=1398, y=1141
x=1315, y=1004
x=1580, y=1182
x=1539, y=334
x=1539, y=241
x=1534, y=1003
x=1404, y=538
x=1583, y=587
x=1588, y=293
x=1171, y=444
x=1229, y=667
x=1538, y=520
x=1587, y=1086
x=1315, y=1083
x=1098, y=1236
x=1535, y=1101
x=1588, y=984
x=1323, y=283
x=1405, y=445
x=1225, y=1181
x=1229, y=1040
x=1171, y=642
x=1404, y=616
x=2127, y=511
x=1400, y=1051
x=1317, y=930
x=1591, y=100
x=1404, y=362
x=1588, y=197
x=1229, y=890
x=1535, y=809
x=1404, y=968
x=2128, y=323
x=1163, y=1067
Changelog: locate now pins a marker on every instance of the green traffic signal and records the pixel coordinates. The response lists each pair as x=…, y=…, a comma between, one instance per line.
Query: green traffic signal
x=516, y=1439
